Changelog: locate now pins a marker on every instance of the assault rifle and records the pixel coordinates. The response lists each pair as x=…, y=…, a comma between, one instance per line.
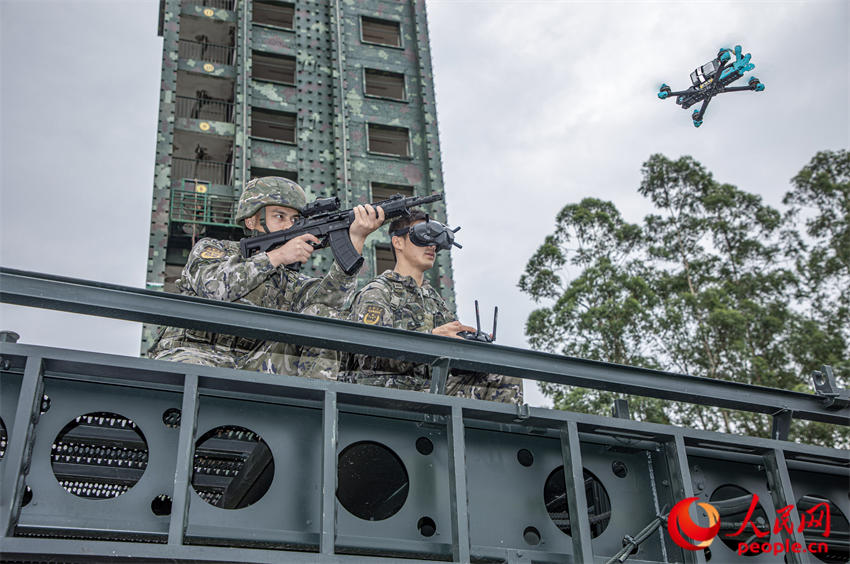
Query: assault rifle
x=324, y=220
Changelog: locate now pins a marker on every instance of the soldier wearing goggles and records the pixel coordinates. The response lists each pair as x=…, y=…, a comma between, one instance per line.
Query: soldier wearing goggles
x=403, y=299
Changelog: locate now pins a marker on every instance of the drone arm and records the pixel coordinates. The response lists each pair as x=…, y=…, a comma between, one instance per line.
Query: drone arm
x=736, y=89
x=699, y=114
x=679, y=93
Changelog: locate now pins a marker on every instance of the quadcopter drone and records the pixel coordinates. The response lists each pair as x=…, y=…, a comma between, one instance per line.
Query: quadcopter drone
x=713, y=78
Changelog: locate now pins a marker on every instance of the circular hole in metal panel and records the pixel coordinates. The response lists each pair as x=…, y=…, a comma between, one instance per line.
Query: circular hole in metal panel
x=161, y=505
x=814, y=508
x=598, y=502
x=233, y=467
x=707, y=552
x=525, y=457
x=619, y=468
x=171, y=417
x=372, y=482
x=531, y=536
x=4, y=437
x=27, y=497
x=424, y=445
x=426, y=527
x=732, y=504
x=99, y=455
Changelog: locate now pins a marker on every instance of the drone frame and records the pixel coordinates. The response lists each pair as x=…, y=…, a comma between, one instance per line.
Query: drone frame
x=725, y=73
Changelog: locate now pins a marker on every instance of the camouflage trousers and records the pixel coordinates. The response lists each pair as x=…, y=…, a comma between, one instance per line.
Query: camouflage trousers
x=201, y=347
x=203, y=355
x=489, y=387
x=278, y=358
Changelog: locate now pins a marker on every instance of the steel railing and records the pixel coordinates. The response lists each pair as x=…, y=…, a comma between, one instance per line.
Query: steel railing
x=202, y=208
x=220, y=4
x=203, y=51
x=121, y=302
x=202, y=107
x=208, y=171
x=475, y=472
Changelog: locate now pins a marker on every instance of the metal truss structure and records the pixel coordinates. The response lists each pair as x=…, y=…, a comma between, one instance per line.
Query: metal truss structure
x=107, y=457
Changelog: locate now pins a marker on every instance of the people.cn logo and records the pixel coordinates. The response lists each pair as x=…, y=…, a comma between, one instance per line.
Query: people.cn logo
x=688, y=534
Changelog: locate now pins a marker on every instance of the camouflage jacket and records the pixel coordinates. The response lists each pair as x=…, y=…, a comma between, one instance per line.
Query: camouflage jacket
x=216, y=270
x=392, y=300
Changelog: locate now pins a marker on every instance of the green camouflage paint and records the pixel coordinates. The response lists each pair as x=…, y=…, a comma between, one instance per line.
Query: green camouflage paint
x=330, y=156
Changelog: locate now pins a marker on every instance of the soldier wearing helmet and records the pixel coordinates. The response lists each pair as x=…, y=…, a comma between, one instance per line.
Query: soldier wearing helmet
x=216, y=270
x=403, y=299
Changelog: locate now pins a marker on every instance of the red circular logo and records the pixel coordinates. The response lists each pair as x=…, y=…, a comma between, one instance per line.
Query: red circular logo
x=683, y=530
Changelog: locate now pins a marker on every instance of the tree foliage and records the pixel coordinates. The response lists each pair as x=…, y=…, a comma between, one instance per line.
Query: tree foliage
x=713, y=283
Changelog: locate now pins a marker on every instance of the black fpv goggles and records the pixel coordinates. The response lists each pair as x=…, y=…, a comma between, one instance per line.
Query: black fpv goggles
x=430, y=234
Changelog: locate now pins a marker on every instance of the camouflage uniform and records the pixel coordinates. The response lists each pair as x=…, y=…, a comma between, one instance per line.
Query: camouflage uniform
x=316, y=362
x=392, y=300
x=216, y=270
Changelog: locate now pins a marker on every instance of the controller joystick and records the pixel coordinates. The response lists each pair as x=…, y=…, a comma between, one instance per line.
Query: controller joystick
x=480, y=335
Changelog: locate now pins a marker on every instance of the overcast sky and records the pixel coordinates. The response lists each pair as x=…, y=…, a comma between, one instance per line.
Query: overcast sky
x=540, y=104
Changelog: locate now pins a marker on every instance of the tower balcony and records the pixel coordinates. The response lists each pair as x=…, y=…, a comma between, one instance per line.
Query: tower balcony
x=214, y=10
x=204, y=108
x=193, y=204
x=206, y=52
x=215, y=4
x=211, y=59
x=202, y=171
x=205, y=115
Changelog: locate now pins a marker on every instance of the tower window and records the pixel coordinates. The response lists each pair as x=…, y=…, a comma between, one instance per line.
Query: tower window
x=384, y=84
x=274, y=13
x=382, y=191
x=276, y=68
x=273, y=125
x=389, y=140
x=382, y=32
x=384, y=259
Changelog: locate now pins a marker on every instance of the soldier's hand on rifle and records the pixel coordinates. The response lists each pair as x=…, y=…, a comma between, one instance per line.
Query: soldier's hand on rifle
x=296, y=250
x=366, y=220
x=452, y=329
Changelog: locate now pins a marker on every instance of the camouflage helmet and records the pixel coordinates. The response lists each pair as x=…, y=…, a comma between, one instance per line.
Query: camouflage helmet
x=269, y=191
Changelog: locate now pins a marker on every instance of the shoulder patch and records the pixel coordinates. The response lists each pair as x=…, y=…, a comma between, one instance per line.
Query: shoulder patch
x=212, y=253
x=373, y=315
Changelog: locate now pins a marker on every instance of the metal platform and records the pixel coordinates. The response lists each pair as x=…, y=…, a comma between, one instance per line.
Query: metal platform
x=116, y=458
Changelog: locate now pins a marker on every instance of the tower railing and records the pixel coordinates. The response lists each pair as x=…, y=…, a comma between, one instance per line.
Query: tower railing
x=204, y=51
x=220, y=4
x=189, y=206
x=204, y=107
x=210, y=171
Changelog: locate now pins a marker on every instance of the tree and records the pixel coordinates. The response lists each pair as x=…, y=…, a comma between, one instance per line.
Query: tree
x=706, y=286
x=821, y=195
x=601, y=313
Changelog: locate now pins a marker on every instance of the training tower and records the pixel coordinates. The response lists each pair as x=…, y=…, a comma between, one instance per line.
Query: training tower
x=336, y=95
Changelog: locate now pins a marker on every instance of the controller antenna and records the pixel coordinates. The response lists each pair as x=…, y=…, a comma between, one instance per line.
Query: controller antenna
x=495, y=317
x=477, y=318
